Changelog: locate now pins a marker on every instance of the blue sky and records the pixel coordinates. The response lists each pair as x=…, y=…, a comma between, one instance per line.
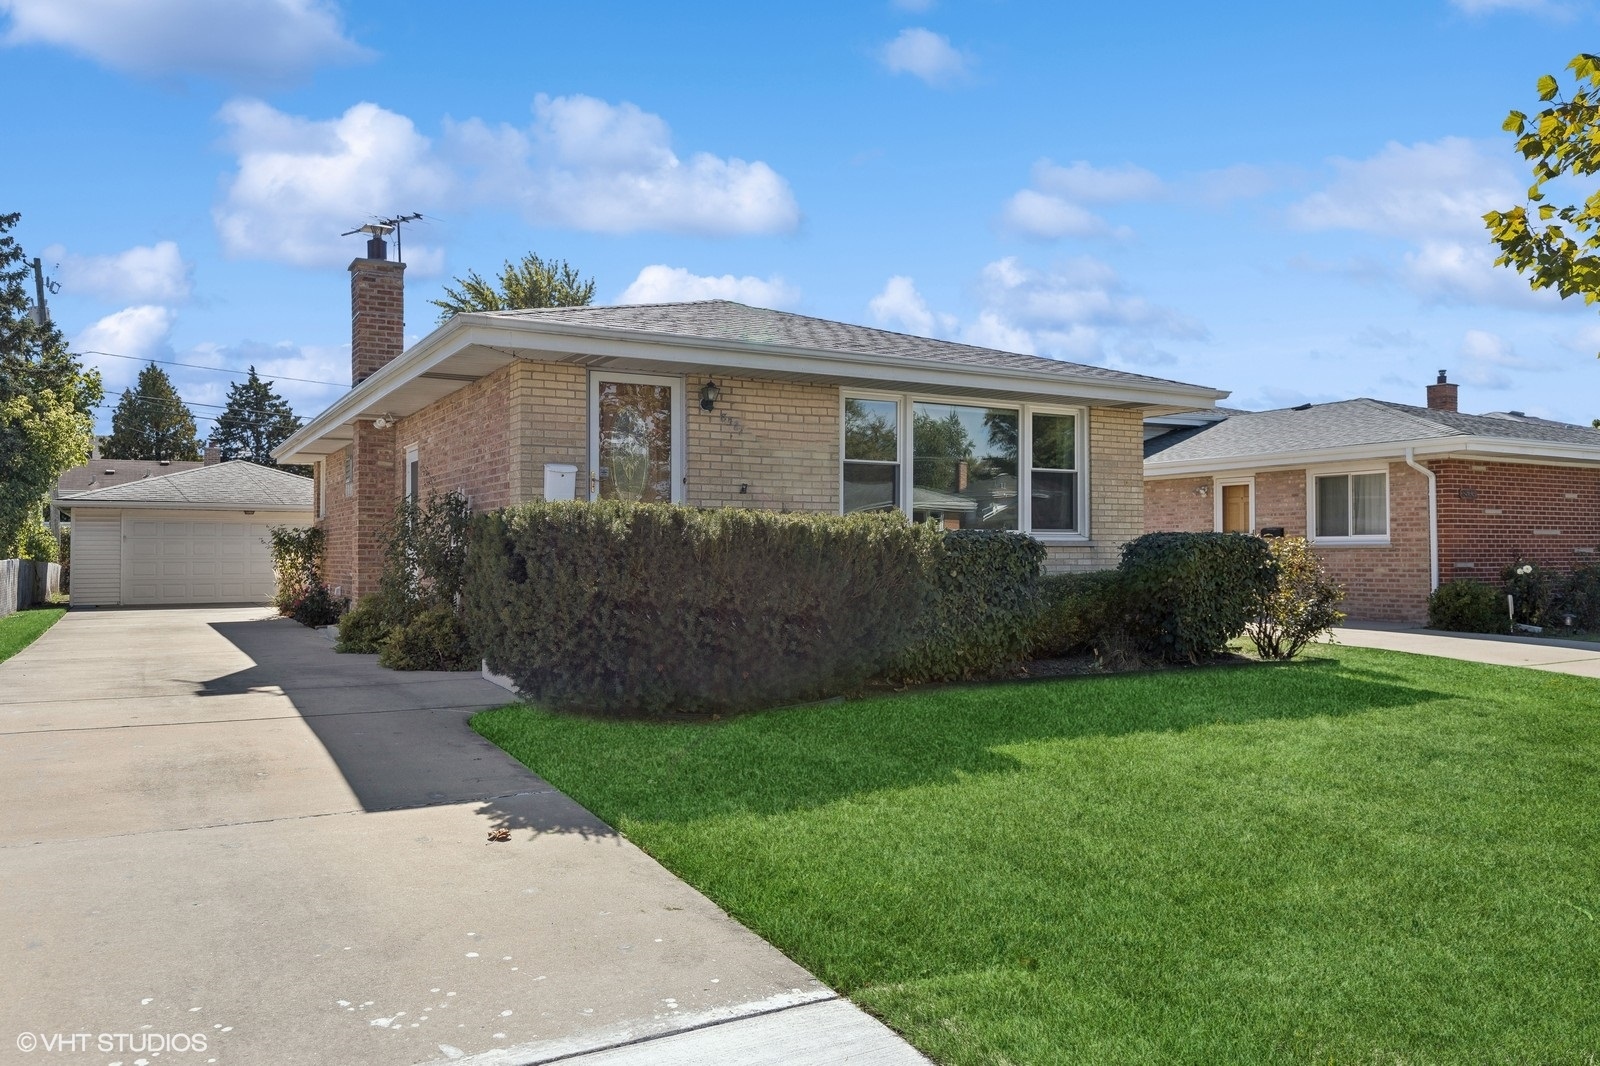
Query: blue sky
x=1280, y=200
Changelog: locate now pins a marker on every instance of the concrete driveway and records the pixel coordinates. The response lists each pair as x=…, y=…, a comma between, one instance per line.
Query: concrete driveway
x=216, y=828
x=1578, y=657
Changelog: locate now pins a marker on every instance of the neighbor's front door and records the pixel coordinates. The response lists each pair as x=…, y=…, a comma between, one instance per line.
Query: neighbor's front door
x=1236, y=508
x=634, y=427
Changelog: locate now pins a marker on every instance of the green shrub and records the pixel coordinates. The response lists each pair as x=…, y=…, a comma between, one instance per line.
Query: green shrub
x=1528, y=585
x=1185, y=595
x=1468, y=607
x=620, y=608
x=1303, y=606
x=36, y=542
x=296, y=563
x=1075, y=612
x=365, y=627
x=317, y=607
x=425, y=555
x=66, y=559
x=982, y=608
x=1579, y=596
x=435, y=639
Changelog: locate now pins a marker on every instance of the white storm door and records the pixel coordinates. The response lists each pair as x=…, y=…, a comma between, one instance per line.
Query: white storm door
x=635, y=438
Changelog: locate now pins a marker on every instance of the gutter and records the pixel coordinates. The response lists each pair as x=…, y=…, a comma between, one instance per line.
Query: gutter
x=1433, y=517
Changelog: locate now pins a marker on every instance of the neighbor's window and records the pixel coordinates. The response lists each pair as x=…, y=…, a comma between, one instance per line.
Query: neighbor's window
x=964, y=466
x=871, y=455
x=1053, y=490
x=350, y=471
x=1352, y=505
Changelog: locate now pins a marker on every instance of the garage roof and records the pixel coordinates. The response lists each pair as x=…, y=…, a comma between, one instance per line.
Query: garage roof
x=236, y=485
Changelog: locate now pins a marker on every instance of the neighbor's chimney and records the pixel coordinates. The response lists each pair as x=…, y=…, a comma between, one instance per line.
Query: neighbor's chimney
x=377, y=310
x=213, y=455
x=1442, y=395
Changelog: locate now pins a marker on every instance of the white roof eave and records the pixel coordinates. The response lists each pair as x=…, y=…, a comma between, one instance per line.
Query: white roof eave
x=1486, y=447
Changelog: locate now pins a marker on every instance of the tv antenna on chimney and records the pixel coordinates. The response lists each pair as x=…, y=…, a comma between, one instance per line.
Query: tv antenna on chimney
x=378, y=229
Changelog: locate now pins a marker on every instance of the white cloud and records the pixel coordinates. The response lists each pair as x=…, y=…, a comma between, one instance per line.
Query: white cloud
x=916, y=6
x=241, y=41
x=1428, y=189
x=1488, y=358
x=900, y=306
x=1450, y=272
x=143, y=332
x=610, y=168
x=659, y=283
x=1485, y=7
x=153, y=273
x=925, y=54
x=300, y=182
x=274, y=360
x=1036, y=214
x=1054, y=205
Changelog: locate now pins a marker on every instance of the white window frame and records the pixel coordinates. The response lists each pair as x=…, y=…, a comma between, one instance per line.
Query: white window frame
x=680, y=418
x=1370, y=540
x=1025, y=413
x=322, y=488
x=411, y=490
x=1217, y=485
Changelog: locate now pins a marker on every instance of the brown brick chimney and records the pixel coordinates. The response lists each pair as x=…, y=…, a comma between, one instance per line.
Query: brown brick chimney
x=1441, y=394
x=377, y=311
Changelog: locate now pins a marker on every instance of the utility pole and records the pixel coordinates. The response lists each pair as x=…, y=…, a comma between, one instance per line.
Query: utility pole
x=40, y=313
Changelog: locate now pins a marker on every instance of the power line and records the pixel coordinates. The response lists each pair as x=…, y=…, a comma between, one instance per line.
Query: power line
x=215, y=369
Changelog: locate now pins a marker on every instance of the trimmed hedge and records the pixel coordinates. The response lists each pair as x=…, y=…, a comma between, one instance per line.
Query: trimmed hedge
x=1580, y=597
x=1468, y=607
x=982, y=611
x=1185, y=595
x=620, y=608
x=434, y=639
x=1076, y=611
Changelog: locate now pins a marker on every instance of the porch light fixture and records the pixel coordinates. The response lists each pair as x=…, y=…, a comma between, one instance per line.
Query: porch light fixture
x=710, y=393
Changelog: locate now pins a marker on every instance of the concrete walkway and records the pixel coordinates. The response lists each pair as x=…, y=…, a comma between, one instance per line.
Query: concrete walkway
x=1558, y=656
x=215, y=825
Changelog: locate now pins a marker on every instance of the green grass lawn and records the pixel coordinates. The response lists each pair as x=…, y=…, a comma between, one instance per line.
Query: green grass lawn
x=19, y=630
x=1364, y=857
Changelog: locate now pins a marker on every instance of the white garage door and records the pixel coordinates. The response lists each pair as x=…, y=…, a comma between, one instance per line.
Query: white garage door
x=195, y=557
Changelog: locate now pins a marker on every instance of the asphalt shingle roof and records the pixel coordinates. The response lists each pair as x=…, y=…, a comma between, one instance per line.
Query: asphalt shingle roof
x=235, y=484
x=1349, y=423
x=725, y=320
x=102, y=473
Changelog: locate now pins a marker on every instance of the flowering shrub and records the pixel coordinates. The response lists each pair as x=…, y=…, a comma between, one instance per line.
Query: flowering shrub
x=1304, y=606
x=1529, y=587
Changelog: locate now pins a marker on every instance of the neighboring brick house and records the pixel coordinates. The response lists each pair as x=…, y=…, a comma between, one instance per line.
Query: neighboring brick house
x=1400, y=497
x=717, y=404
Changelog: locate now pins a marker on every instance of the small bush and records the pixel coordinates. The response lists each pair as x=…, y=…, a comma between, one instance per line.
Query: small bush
x=364, y=629
x=425, y=555
x=1185, y=595
x=618, y=608
x=36, y=542
x=1579, y=596
x=317, y=607
x=296, y=563
x=1076, y=612
x=983, y=609
x=436, y=639
x=1304, y=605
x=1468, y=607
x=1528, y=585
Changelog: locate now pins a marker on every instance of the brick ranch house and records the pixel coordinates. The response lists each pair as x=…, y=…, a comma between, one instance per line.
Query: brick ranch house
x=716, y=404
x=1396, y=498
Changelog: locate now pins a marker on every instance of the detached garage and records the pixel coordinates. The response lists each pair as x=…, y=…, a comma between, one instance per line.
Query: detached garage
x=195, y=536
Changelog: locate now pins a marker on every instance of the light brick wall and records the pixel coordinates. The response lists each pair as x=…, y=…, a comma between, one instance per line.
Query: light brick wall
x=463, y=444
x=549, y=411
x=1490, y=513
x=338, y=525
x=1176, y=505
x=1116, y=492
x=778, y=439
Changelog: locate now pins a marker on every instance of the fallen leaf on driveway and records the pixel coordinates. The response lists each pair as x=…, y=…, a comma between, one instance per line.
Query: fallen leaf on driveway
x=499, y=835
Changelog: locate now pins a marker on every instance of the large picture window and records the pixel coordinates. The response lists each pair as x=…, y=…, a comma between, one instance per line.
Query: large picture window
x=1351, y=505
x=965, y=465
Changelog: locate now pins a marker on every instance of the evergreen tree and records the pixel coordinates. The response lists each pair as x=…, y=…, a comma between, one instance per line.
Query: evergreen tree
x=47, y=400
x=151, y=422
x=255, y=421
x=534, y=282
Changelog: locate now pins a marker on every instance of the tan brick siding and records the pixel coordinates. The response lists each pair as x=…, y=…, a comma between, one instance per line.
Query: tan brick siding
x=1116, y=492
x=1490, y=513
x=779, y=441
x=549, y=404
x=463, y=444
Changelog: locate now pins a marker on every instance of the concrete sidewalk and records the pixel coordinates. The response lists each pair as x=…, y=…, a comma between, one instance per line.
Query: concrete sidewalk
x=217, y=827
x=1557, y=656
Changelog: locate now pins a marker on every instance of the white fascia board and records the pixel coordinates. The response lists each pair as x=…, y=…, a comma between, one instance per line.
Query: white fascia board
x=1487, y=448
x=70, y=502
x=523, y=336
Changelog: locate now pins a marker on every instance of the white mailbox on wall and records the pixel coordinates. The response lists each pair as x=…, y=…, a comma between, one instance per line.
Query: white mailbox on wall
x=560, y=481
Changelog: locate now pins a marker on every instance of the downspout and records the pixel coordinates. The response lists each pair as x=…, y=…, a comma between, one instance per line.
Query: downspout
x=1433, y=517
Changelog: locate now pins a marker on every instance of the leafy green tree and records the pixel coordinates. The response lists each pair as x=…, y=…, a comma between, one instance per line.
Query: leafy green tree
x=151, y=422
x=534, y=282
x=1555, y=245
x=47, y=401
x=255, y=421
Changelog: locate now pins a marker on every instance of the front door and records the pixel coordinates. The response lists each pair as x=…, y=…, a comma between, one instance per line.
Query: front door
x=1236, y=508
x=634, y=450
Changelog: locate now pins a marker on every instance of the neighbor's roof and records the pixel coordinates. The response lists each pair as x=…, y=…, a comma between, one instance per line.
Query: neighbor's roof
x=721, y=338
x=1368, y=426
x=725, y=320
x=236, y=485
x=101, y=473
